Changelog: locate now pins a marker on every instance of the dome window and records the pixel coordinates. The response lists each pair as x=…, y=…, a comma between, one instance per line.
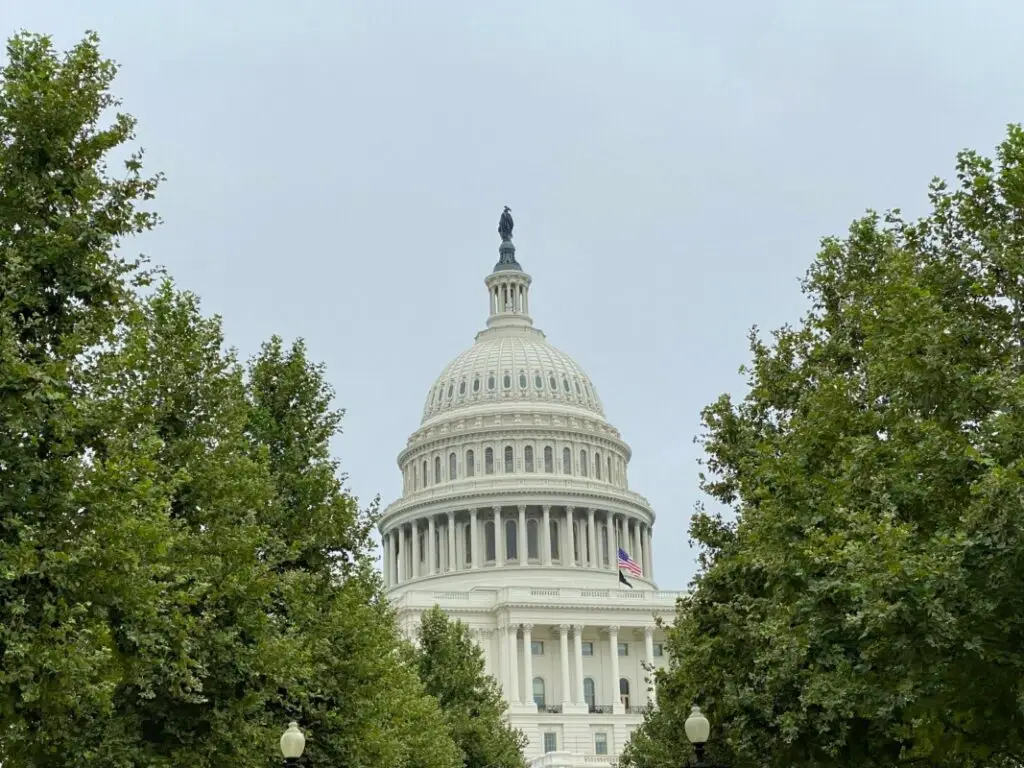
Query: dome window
x=576, y=382
x=565, y=383
x=490, y=383
x=538, y=381
x=476, y=384
x=522, y=379
x=451, y=391
x=462, y=387
x=553, y=383
x=507, y=380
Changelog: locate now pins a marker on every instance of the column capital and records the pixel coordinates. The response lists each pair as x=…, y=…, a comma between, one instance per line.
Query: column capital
x=612, y=629
x=451, y=515
x=569, y=510
x=563, y=629
x=546, y=509
x=496, y=510
x=485, y=632
x=577, y=628
x=472, y=510
x=527, y=627
x=522, y=509
x=591, y=510
x=648, y=631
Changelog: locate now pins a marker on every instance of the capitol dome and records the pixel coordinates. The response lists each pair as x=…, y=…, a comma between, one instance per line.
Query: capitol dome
x=516, y=517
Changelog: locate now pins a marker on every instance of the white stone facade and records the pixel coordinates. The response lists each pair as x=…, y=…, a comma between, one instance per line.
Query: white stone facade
x=515, y=503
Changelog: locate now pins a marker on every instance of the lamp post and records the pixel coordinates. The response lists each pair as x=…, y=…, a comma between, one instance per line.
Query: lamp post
x=697, y=730
x=292, y=744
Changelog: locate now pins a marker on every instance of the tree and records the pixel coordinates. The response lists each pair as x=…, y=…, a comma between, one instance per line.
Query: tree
x=451, y=667
x=865, y=606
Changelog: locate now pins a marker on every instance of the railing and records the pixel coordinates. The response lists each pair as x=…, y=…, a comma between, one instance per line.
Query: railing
x=638, y=709
x=551, y=709
x=489, y=598
x=600, y=709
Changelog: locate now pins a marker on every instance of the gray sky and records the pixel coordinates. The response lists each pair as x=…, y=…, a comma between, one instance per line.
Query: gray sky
x=336, y=171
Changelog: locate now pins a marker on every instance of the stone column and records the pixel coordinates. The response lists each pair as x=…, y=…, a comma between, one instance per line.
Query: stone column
x=545, y=535
x=523, y=548
x=563, y=647
x=386, y=558
x=649, y=571
x=499, y=538
x=613, y=648
x=432, y=552
x=528, y=666
x=401, y=552
x=474, y=536
x=640, y=547
x=513, y=665
x=592, y=559
x=569, y=557
x=417, y=554
x=609, y=525
x=577, y=631
x=452, y=559
x=485, y=645
x=632, y=539
x=502, y=659
x=649, y=654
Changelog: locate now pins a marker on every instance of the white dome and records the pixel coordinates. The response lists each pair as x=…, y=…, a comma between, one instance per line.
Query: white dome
x=511, y=365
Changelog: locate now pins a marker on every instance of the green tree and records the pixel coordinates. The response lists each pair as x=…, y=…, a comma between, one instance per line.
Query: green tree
x=865, y=606
x=452, y=669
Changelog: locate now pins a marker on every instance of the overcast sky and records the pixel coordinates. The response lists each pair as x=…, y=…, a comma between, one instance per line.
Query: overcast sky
x=335, y=171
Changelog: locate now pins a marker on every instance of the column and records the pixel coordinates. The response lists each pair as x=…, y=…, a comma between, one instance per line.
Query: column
x=592, y=559
x=545, y=535
x=485, y=645
x=570, y=555
x=452, y=559
x=577, y=631
x=513, y=665
x=524, y=550
x=649, y=655
x=649, y=551
x=499, y=538
x=417, y=554
x=613, y=647
x=502, y=646
x=402, y=550
x=640, y=547
x=528, y=666
x=563, y=647
x=432, y=553
x=609, y=525
x=632, y=539
x=474, y=535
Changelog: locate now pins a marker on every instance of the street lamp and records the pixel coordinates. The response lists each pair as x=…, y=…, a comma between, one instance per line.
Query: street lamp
x=697, y=730
x=292, y=744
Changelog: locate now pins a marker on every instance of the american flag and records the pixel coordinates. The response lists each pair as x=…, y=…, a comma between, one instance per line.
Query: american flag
x=625, y=561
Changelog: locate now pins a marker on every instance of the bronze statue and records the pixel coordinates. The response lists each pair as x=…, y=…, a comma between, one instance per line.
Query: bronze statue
x=505, y=225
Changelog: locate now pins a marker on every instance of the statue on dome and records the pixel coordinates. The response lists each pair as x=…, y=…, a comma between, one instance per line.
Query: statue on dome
x=505, y=225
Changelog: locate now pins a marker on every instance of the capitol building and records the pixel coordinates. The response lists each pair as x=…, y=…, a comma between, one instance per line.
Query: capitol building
x=516, y=517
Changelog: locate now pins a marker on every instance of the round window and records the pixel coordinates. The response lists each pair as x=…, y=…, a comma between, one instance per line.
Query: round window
x=507, y=381
x=462, y=387
x=522, y=380
x=490, y=382
x=538, y=382
x=476, y=384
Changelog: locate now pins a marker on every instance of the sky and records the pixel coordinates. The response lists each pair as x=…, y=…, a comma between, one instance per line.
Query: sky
x=335, y=171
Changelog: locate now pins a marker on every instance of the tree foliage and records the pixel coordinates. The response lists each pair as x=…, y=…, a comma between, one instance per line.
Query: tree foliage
x=865, y=606
x=181, y=569
x=451, y=667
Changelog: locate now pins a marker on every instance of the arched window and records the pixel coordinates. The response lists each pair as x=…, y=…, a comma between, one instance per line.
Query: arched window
x=549, y=459
x=604, y=545
x=610, y=469
x=532, y=545
x=489, y=540
x=437, y=469
x=538, y=690
x=624, y=692
x=583, y=463
x=470, y=465
x=425, y=473
x=588, y=692
x=508, y=460
x=467, y=543
x=423, y=546
x=489, y=461
x=511, y=550
x=528, y=458
x=452, y=473
x=566, y=461
x=553, y=536
x=597, y=465
x=415, y=478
